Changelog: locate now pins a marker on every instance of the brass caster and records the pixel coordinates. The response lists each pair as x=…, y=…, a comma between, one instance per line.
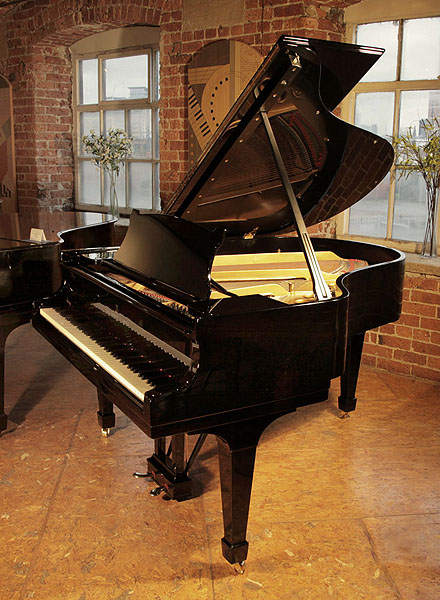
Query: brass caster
x=105, y=432
x=157, y=491
x=344, y=415
x=239, y=567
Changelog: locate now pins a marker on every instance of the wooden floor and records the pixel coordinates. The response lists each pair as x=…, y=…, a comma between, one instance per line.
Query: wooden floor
x=345, y=509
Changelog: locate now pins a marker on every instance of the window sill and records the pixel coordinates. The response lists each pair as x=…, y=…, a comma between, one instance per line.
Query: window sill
x=415, y=263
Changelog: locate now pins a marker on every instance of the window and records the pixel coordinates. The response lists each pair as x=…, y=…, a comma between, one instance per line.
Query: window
x=400, y=91
x=119, y=90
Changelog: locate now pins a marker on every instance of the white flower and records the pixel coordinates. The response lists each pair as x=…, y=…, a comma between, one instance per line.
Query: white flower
x=110, y=150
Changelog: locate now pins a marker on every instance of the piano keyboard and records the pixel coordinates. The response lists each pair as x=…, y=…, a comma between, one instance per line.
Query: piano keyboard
x=135, y=358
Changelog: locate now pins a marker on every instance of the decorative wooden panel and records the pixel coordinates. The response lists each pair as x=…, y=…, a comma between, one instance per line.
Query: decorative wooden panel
x=216, y=76
x=8, y=194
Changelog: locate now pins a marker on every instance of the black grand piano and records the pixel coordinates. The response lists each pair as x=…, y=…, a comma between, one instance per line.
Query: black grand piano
x=213, y=317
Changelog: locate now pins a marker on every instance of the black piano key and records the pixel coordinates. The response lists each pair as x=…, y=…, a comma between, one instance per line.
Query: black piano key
x=141, y=356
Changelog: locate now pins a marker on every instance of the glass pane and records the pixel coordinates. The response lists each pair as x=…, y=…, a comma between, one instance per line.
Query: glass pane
x=88, y=81
x=139, y=129
x=156, y=131
x=421, y=49
x=381, y=35
x=125, y=77
x=374, y=112
x=89, y=183
x=120, y=187
x=140, y=185
x=410, y=208
x=415, y=106
x=113, y=119
x=156, y=199
x=156, y=76
x=88, y=121
x=369, y=215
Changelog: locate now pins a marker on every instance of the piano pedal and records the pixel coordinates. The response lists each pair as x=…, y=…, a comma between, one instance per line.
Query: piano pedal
x=158, y=490
x=344, y=415
x=146, y=475
x=105, y=432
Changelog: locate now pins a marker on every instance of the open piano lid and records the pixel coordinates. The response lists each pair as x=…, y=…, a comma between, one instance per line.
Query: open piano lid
x=331, y=164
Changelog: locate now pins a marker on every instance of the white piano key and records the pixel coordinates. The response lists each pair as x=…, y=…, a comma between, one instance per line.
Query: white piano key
x=121, y=372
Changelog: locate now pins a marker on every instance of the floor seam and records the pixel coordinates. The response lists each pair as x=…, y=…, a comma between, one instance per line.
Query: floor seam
x=376, y=559
x=35, y=551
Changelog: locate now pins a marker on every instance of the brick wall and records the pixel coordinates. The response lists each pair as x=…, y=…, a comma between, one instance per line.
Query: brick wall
x=38, y=65
x=39, y=33
x=263, y=22
x=411, y=345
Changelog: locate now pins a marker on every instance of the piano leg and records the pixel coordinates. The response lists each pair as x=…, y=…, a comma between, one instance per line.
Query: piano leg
x=347, y=399
x=236, y=473
x=237, y=445
x=8, y=322
x=106, y=416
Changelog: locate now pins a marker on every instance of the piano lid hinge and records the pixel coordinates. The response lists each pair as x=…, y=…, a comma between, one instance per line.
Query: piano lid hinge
x=250, y=234
x=295, y=60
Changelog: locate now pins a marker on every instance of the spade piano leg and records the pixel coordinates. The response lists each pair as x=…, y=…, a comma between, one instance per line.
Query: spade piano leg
x=347, y=399
x=236, y=473
x=106, y=416
x=237, y=446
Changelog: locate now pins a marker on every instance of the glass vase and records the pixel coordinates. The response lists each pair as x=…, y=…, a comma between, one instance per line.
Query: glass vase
x=114, y=207
x=429, y=248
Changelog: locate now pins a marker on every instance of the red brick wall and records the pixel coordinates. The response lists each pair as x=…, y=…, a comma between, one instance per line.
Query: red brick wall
x=38, y=65
x=412, y=345
x=39, y=33
x=264, y=21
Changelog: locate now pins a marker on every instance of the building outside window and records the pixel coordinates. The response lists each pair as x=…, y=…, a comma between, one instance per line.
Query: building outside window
x=118, y=90
x=402, y=90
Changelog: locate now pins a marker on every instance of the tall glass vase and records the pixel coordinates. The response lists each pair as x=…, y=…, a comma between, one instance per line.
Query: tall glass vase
x=429, y=248
x=114, y=207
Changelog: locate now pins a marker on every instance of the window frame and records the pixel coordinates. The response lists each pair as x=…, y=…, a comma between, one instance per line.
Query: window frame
x=150, y=102
x=348, y=114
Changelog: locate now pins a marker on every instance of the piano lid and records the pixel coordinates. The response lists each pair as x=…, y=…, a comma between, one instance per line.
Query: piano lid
x=331, y=164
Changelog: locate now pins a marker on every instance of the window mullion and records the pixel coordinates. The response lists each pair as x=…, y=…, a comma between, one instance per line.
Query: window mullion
x=399, y=50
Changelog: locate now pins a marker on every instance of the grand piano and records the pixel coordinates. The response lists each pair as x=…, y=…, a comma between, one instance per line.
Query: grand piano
x=30, y=266
x=220, y=314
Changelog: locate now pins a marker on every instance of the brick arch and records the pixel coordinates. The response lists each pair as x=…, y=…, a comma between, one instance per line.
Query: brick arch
x=64, y=23
x=41, y=73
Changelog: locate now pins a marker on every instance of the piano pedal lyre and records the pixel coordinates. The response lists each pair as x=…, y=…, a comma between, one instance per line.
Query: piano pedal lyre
x=168, y=468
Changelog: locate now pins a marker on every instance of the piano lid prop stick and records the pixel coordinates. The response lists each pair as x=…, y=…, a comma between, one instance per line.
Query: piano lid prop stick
x=320, y=287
